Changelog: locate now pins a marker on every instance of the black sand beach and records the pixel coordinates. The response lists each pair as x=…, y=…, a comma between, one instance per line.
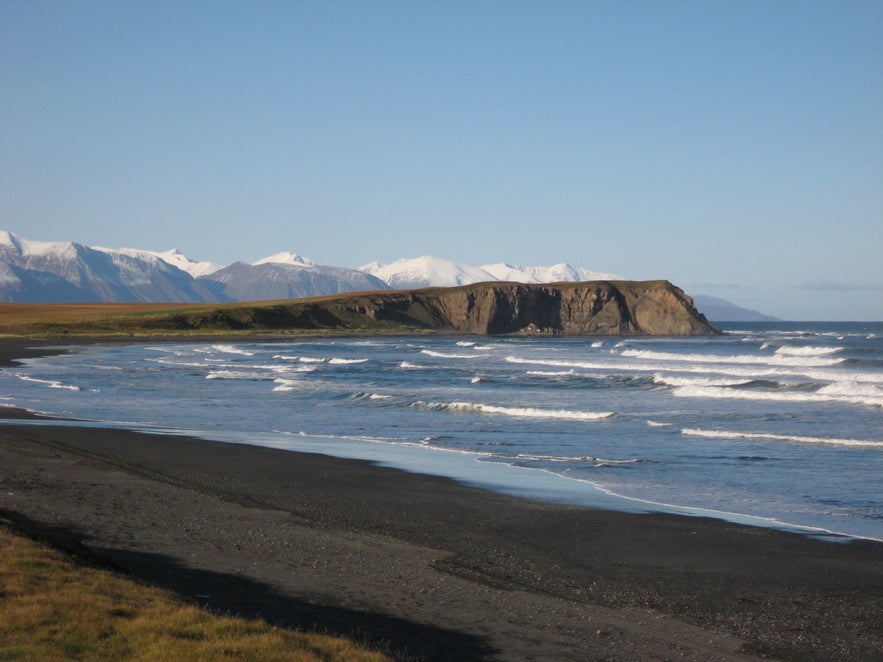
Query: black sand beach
x=429, y=569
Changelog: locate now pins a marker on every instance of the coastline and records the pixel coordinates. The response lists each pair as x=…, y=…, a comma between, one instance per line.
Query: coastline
x=429, y=568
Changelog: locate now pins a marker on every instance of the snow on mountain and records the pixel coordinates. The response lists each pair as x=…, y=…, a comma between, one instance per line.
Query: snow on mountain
x=13, y=247
x=65, y=271
x=174, y=257
x=287, y=257
x=431, y=271
x=196, y=269
x=426, y=271
x=558, y=273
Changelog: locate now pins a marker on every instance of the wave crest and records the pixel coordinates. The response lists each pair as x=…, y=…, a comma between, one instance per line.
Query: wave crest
x=517, y=412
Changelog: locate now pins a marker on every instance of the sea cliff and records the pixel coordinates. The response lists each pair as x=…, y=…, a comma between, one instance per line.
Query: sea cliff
x=587, y=308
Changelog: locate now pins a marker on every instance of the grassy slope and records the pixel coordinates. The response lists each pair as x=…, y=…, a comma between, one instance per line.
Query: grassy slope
x=55, y=608
x=140, y=319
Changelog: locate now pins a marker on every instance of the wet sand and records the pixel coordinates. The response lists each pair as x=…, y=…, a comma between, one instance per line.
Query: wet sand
x=426, y=568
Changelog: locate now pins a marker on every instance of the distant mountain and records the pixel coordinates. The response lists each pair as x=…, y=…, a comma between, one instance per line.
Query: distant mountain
x=64, y=271
x=426, y=271
x=287, y=257
x=38, y=271
x=559, y=273
x=721, y=310
x=432, y=271
x=287, y=276
x=177, y=259
x=46, y=272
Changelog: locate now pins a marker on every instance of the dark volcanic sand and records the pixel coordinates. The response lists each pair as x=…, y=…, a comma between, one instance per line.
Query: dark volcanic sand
x=426, y=568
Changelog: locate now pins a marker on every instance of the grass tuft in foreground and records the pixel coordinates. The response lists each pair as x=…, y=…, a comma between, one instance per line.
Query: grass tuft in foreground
x=52, y=608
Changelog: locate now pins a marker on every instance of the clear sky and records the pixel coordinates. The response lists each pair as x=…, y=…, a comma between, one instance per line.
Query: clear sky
x=732, y=147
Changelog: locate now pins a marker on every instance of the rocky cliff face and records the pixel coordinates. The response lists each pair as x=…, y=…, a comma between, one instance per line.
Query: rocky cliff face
x=589, y=308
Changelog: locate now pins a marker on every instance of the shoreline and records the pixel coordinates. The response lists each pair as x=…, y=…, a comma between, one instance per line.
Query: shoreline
x=427, y=567
x=537, y=485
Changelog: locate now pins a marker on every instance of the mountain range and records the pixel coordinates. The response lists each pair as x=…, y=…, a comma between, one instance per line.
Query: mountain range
x=66, y=272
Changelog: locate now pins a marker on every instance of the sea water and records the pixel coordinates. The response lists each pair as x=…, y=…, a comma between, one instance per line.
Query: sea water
x=775, y=424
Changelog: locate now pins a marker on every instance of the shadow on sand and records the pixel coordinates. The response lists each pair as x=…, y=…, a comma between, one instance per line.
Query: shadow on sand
x=239, y=596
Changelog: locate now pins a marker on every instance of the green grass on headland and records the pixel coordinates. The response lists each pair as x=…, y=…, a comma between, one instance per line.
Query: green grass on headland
x=315, y=315
x=54, y=608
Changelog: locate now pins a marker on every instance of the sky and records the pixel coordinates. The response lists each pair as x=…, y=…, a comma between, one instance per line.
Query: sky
x=734, y=148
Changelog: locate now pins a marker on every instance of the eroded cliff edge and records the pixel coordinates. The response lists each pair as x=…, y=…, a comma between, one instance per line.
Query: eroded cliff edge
x=495, y=308
x=588, y=308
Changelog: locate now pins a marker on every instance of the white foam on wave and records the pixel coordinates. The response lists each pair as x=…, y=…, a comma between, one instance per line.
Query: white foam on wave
x=444, y=355
x=807, y=350
x=517, y=412
x=249, y=375
x=333, y=360
x=410, y=366
x=766, y=436
x=551, y=458
x=363, y=395
x=231, y=349
x=465, y=343
x=672, y=380
x=601, y=462
x=657, y=424
x=54, y=383
x=552, y=373
x=810, y=361
x=742, y=373
x=556, y=363
x=856, y=394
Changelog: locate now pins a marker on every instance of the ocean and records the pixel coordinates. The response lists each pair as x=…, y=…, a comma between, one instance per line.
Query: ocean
x=775, y=424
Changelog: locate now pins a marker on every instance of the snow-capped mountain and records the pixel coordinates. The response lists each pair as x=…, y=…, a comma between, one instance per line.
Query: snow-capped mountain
x=40, y=271
x=431, y=271
x=426, y=271
x=196, y=269
x=558, y=273
x=65, y=271
x=174, y=257
x=287, y=257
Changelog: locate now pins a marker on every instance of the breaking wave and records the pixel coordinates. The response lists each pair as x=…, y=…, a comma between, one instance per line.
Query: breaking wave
x=445, y=355
x=53, y=383
x=518, y=412
x=765, y=436
x=785, y=359
x=230, y=349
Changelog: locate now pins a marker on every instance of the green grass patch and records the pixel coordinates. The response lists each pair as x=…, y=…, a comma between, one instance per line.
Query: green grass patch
x=54, y=608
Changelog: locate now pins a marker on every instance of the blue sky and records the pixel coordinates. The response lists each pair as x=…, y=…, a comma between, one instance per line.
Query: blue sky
x=735, y=148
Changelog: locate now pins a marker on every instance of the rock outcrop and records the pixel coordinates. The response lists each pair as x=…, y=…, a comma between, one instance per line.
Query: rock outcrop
x=587, y=308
